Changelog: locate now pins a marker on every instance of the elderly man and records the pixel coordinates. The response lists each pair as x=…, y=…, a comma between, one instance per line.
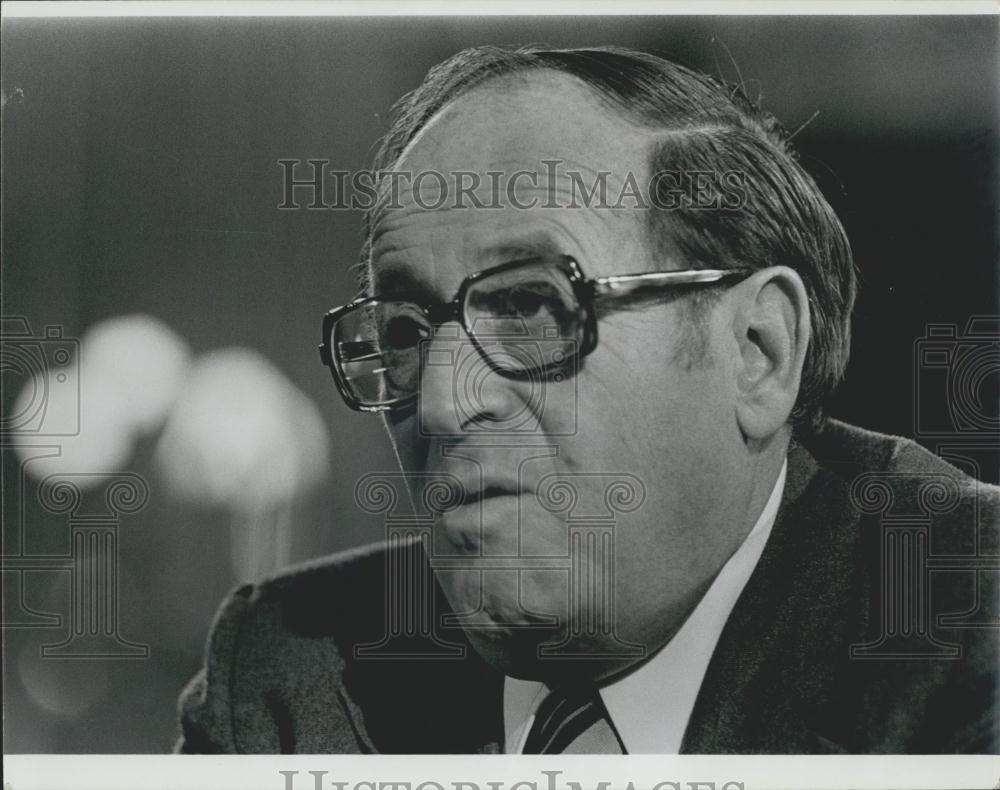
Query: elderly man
x=603, y=307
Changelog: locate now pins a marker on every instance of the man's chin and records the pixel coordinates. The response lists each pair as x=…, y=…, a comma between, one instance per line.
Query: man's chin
x=515, y=652
x=514, y=637
x=527, y=654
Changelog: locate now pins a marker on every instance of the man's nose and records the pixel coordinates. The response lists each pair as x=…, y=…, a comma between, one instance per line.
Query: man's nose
x=459, y=393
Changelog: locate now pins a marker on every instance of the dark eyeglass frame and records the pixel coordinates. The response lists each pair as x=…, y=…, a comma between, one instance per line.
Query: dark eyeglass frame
x=587, y=292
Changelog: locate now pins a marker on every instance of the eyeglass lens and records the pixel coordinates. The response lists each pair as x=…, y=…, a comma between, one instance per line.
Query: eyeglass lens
x=523, y=320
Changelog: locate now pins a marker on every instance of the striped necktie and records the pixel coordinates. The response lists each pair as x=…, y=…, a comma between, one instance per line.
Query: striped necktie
x=573, y=721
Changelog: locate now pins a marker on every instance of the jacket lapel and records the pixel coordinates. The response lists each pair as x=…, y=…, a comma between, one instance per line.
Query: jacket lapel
x=769, y=685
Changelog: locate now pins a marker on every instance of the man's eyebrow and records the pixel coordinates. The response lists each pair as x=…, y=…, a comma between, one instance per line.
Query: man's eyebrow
x=398, y=282
x=537, y=245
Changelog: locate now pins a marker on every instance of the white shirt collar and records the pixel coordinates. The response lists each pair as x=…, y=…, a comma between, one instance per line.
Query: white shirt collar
x=651, y=706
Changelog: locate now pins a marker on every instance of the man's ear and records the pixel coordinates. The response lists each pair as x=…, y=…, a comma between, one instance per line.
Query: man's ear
x=772, y=328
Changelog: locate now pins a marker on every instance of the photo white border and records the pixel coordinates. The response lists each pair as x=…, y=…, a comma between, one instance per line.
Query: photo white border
x=367, y=772
x=268, y=8
x=408, y=772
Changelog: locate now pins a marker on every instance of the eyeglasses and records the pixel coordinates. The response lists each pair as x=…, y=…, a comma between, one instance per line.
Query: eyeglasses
x=526, y=318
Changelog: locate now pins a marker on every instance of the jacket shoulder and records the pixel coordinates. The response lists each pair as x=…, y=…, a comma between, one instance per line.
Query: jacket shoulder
x=305, y=595
x=274, y=656
x=872, y=452
x=927, y=671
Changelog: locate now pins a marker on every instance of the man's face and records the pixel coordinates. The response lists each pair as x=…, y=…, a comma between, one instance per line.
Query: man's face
x=648, y=414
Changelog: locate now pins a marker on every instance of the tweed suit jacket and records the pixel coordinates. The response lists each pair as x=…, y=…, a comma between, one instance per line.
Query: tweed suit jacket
x=821, y=653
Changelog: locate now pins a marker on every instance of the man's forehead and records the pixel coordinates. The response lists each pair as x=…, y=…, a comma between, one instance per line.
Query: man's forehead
x=517, y=121
x=545, y=123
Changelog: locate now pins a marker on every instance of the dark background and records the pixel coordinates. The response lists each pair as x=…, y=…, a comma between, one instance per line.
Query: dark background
x=140, y=176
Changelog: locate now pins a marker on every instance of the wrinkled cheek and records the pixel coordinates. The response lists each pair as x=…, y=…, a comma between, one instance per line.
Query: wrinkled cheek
x=544, y=594
x=410, y=448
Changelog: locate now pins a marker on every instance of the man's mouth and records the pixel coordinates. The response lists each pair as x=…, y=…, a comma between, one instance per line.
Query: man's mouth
x=475, y=496
x=484, y=511
x=471, y=489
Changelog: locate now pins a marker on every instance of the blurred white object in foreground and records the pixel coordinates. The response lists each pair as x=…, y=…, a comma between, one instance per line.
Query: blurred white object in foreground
x=142, y=360
x=243, y=437
x=127, y=375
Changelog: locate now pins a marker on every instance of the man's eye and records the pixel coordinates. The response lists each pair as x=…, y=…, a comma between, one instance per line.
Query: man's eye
x=402, y=332
x=526, y=301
